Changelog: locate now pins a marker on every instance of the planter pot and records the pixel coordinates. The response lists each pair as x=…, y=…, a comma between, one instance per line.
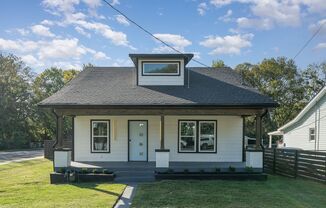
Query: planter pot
x=211, y=176
x=58, y=178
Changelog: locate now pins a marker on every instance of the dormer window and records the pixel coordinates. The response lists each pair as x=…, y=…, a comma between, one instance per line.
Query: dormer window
x=160, y=68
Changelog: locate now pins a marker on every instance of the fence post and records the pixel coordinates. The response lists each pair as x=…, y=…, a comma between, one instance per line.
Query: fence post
x=274, y=160
x=296, y=164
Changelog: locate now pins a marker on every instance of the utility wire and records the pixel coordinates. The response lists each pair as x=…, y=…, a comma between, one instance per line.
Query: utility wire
x=310, y=39
x=151, y=34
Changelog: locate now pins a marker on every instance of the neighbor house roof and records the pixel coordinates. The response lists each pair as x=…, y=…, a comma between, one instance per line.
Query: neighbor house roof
x=311, y=104
x=115, y=86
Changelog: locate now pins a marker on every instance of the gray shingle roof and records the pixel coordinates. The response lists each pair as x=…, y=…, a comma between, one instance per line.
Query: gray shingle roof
x=116, y=86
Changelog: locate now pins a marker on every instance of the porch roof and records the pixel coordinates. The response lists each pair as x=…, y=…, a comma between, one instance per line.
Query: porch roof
x=115, y=86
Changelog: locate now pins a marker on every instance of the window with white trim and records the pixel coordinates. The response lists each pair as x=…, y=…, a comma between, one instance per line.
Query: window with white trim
x=197, y=136
x=187, y=136
x=207, y=136
x=161, y=68
x=100, y=134
x=311, y=134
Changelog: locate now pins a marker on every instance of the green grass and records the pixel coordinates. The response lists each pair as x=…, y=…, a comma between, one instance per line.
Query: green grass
x=277, y=192
x=27, y=184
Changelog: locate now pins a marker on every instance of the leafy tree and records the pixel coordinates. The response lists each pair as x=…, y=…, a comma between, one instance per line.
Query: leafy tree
x=45, y=84
x=279, y=79
x=15, y=102
x=218, y=63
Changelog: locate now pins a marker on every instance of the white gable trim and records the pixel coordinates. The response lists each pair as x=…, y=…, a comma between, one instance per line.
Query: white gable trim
x=311, y=104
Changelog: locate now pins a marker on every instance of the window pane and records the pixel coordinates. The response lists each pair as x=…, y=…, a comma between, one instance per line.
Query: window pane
x=187, y=143
x=160, y=68
x=188, y=128
x=207, y=136
x=100, y=144
x=100, y=129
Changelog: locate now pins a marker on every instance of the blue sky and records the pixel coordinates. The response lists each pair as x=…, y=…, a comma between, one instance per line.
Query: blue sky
x=69, y=33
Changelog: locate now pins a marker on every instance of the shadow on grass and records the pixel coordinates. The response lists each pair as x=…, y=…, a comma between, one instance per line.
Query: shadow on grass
x=93, y=186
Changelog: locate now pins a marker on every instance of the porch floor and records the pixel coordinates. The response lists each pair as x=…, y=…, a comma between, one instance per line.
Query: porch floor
x=151, y=165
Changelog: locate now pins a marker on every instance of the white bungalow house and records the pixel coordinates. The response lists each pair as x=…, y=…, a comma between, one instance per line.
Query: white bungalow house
x=159, y=112
x=307, y=130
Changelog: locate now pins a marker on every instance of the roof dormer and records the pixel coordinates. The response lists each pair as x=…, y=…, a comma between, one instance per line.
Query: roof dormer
x=160, y=69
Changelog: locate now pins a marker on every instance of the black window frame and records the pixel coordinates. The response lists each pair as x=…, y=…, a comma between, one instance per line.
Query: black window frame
x=197, y=136
x=108, y=135
x=160, y=62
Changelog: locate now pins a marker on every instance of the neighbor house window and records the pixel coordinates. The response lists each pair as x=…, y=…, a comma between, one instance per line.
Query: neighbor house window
x=158, y=68
x=187, y=135
x=207, y=136
x=312, y=134
x=197, y=136
x=100, y=140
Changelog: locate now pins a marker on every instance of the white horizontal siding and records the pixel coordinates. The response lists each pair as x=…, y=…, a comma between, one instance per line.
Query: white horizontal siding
x=160, y=80
x=298, y=134
x=229, y=139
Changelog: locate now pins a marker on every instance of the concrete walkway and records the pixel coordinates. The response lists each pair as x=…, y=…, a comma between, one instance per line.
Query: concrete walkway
x=17, y=156
x=127, y=196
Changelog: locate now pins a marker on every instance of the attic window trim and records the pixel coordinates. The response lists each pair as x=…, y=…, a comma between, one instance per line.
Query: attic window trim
x=160, y=62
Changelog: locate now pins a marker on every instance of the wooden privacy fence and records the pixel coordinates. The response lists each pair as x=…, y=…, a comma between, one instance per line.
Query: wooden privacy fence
x=296, y=163
x=48, y=147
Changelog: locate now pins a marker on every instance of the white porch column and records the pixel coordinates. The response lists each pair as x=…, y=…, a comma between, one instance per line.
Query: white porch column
x=162, y=154
x=270, y=141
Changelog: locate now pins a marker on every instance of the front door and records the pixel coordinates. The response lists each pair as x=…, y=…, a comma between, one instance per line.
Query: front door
x=137, y=140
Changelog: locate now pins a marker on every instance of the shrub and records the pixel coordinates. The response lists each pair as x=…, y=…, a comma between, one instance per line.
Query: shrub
x=231, y=169
x=249, y=169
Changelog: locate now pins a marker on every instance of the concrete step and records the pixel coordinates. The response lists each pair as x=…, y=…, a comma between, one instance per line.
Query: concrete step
x=129, y=179
x=126, y=173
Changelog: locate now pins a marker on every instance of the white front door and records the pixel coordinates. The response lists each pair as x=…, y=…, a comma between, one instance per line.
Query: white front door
x=137, y=140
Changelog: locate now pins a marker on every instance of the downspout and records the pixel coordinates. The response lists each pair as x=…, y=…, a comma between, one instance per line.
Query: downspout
x=261, y=119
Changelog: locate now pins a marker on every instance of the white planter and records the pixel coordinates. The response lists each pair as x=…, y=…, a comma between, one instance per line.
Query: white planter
x=162, y=158
x=254, y=159
x=62, y=158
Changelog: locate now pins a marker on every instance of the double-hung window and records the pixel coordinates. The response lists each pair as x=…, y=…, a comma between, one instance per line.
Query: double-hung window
x=100, y=136
x=197, y=136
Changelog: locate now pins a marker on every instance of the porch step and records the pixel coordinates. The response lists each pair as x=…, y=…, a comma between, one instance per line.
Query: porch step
x=128, y=179
x=130, y=173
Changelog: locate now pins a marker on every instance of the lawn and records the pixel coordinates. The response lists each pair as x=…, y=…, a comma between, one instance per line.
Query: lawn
x=277, y=192
x=26, y=184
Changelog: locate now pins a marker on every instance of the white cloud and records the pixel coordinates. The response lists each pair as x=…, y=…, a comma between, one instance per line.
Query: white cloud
x=30, y=60
x=100, y=56
x=202, y=8
x=92, y=3
x=227, y=16
x=263, y=23
x=47, y=22
x=115, y=2
x=23, y=31
x=42, y=31
x=67, y=65
x=219, y=3
x=230, y=44
x=82, y=31
x=19, y=45
x=177, y=41
x=122, y=20
x=316, y=26
x=65, y=6
x=321, y=46
x=314, y=6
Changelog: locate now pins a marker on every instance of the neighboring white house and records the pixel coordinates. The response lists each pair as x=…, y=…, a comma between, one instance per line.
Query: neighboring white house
x=308, y=129
x=159, y=111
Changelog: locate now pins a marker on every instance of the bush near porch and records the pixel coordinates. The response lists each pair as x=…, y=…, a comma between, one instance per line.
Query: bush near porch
x=276, y=192
x=27, y=184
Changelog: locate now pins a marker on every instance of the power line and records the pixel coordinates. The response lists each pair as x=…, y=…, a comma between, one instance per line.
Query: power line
x=312, y=37
x=151, y=34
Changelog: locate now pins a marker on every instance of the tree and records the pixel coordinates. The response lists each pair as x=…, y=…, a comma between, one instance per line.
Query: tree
x=15, y=102
x=46, y=84
x=279, y=79
x=218, y=63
